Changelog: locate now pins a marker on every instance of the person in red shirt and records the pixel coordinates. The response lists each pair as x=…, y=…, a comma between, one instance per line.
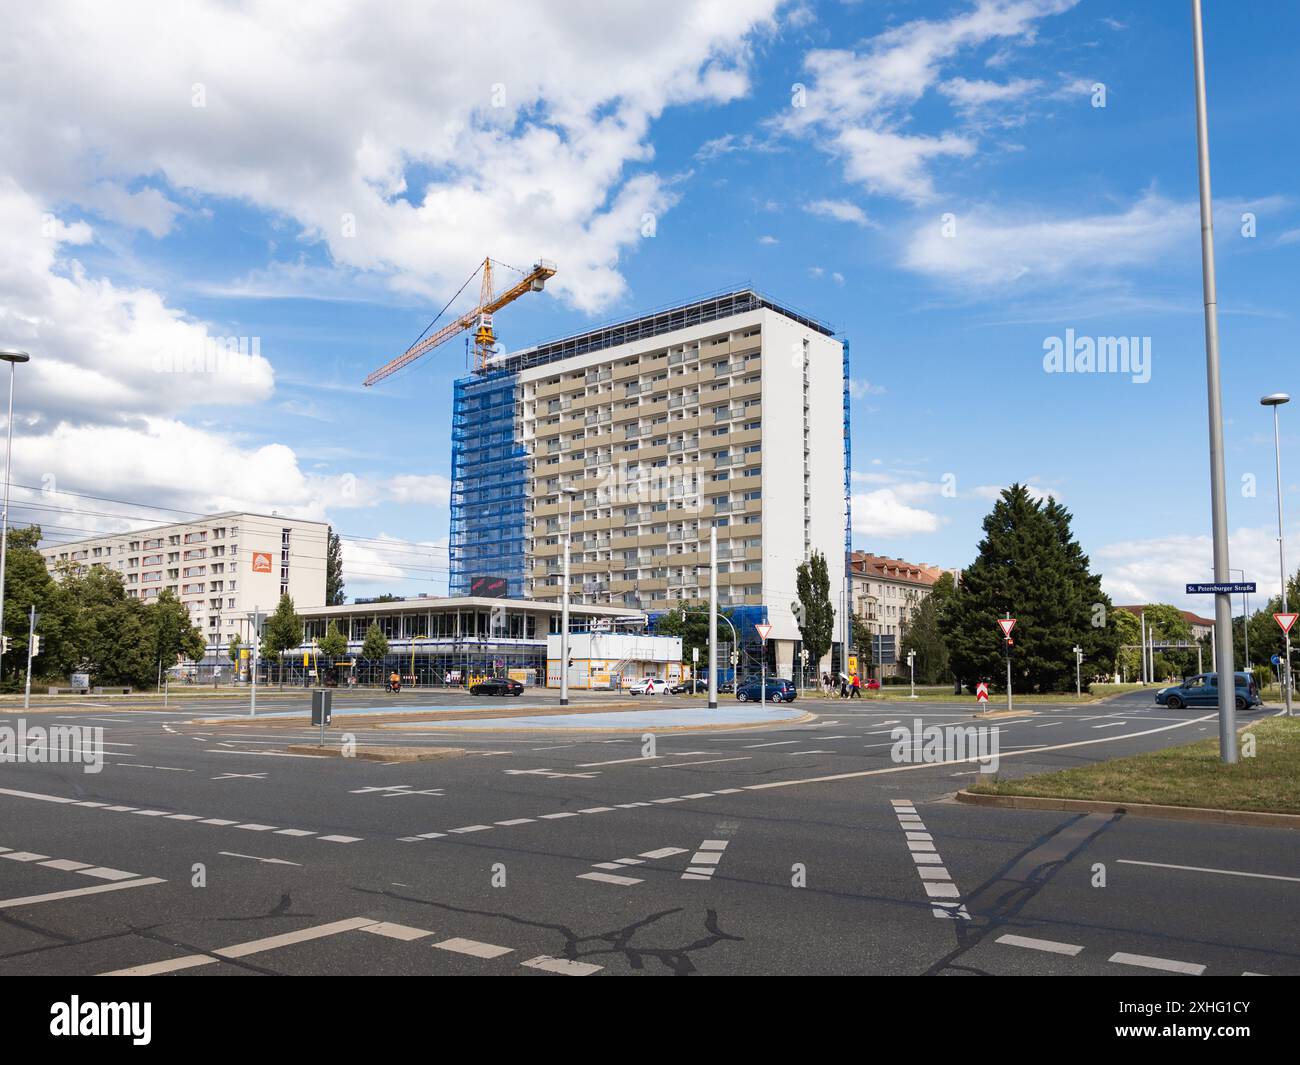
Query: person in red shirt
x=856, y=691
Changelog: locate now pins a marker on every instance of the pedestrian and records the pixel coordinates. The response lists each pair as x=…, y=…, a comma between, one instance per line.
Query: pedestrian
x=856, y=687
x=844, y=686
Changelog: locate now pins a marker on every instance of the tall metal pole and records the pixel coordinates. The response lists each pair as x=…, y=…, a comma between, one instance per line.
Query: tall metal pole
x=1275, y=401
x=1218, y=489
x=257, y=645
x=1142, y=619
x=564, y=608
x=12, y=358
x=31, y=638
x=713, y=619
x=1006, y=646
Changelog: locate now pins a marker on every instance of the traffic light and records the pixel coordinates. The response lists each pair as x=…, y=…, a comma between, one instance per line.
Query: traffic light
x=5, y=646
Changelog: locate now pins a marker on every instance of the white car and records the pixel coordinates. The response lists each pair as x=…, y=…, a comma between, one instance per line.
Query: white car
x=646, y=686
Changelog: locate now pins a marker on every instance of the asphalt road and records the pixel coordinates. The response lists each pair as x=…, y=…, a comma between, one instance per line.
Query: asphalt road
x=796, y=849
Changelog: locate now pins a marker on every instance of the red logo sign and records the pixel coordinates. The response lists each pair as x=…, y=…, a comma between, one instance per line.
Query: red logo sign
x=261, y=562
x=1006, y=625
x=1285, y=621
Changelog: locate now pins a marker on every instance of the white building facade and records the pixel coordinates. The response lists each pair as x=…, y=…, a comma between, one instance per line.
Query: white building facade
x=220, y=566
x=724, y=415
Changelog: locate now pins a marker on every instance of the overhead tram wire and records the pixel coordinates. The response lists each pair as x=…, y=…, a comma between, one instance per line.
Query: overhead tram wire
x=191, y=515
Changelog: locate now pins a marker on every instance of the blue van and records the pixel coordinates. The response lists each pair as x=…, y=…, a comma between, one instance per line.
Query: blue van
x=1203, y=690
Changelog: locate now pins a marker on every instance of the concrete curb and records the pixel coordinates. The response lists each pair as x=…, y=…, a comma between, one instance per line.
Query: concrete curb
x=379, y=754
x=635, y=731
x=1256, y=818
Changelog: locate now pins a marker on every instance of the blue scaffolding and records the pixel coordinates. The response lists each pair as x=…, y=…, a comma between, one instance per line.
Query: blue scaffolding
x=489, y=474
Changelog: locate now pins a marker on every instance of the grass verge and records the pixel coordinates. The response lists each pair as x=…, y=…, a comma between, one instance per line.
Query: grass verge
x=1190, y=775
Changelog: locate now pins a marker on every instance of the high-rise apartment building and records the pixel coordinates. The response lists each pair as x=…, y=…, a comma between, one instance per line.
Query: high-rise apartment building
x=221, y=566
x=727, y=413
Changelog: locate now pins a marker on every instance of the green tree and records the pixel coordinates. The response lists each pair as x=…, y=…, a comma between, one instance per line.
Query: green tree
x=374, y=647
x=333, y=644
x=690, y=621
x=1128, y=656
x=813, y=611
x=173, y=633
x=232, y=652
x=334, y=570
x=924, y=634
x=28, y=583
x=112, y=634
x=283, y=631
x=1030, y=567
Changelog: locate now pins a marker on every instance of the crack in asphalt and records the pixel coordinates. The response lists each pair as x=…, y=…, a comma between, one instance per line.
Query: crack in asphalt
x=677, y=960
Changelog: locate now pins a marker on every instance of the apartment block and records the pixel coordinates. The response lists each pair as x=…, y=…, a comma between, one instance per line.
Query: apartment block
x=887, y=592
x=641, y=438
x=220, y=566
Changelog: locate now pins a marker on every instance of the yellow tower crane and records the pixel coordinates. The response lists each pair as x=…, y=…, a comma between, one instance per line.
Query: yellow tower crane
x=479, y=319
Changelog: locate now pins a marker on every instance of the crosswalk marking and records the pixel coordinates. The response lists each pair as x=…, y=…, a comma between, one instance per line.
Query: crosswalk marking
x=935, y=880
x=1030, y=943
x=473, y=948
x=562, y=965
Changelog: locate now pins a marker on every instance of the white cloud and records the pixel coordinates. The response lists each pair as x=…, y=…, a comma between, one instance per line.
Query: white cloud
x=101, y=352
x=414, y=488
x=857, y=105
x=992, y=248
x=387, y=132
x=861, y=389
x=768, y=239
x=1158, y=570
x=970, y=95
x=883, y=514
x=840, y=211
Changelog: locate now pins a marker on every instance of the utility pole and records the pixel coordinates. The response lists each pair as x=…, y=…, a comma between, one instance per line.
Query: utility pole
x=911, y=668
x=1078, y=675
x=1218, y=487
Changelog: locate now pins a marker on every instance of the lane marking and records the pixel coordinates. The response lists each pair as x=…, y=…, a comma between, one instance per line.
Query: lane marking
x=1030, y=943
x=55, y=896
x=255, y=858
x=286, y=939
x=1163, y=964
x=563, y=966
x=402, y=932
x=473, y=948
x=1202, y=869
x=610, y=878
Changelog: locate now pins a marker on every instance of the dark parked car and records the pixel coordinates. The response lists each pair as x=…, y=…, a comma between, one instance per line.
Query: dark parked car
x=1203, y=690
x=688, y=687
x=778, y=690
x=497, y=686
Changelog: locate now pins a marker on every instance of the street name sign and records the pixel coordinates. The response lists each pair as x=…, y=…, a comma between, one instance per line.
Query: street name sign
x=1230, y=587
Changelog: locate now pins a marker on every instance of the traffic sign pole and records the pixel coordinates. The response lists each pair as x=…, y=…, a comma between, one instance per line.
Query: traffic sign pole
x=1285, y=621
x=1006, y=624
x=763, y=631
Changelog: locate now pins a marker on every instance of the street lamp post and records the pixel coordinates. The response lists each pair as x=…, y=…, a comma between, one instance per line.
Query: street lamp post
x=13, y=358
x=1214, y=398
x=1276, y=400
x=1078, y=671
x=1245, y=616
x=564, y=608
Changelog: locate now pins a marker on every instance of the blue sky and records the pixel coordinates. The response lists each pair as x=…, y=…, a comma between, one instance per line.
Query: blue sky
x=937, y=180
